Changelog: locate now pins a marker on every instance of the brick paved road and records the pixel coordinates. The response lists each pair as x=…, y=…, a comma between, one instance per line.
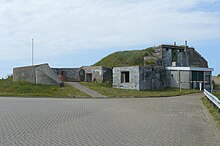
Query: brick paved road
x=159, y=121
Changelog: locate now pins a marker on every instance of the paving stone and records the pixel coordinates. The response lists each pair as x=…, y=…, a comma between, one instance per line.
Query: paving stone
x=109, y=122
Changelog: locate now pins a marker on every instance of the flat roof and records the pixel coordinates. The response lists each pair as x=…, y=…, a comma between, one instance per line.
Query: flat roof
x=189, y=68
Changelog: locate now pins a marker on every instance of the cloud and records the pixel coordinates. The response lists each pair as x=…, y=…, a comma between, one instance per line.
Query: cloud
x=68, y=26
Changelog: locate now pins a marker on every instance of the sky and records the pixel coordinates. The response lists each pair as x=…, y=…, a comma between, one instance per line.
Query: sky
x=74, y=33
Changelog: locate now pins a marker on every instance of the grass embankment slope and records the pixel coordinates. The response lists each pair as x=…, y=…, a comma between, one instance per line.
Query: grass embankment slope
x=217, y=94
x=24, y=89
x=213, y=110
x=126, y=58
x=107, y=90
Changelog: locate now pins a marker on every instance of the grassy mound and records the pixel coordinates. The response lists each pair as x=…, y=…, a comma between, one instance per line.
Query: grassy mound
x=24, y=89
x=125, y=58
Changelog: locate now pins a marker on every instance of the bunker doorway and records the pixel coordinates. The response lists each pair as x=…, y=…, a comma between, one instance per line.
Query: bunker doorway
x=197, y=77
x=89, y=77
x=82, y=75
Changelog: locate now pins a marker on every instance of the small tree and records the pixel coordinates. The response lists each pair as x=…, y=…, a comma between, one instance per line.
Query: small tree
x=9, y=77
x=218, y=75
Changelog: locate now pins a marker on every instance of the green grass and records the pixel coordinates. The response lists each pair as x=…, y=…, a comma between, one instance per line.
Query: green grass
x=126, y=58
x=217, y=94
x=24, y=89
x=212, y=110
x=106, y=89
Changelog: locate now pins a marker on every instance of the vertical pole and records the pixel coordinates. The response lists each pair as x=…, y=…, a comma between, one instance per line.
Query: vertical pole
x=200, y=86
x=32, y=62
x=179, y=80
x=32, y=51
x=187, y=57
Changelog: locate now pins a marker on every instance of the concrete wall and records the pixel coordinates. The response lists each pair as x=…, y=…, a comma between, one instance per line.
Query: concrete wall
x=152, y=78
x=24, y=74
x=196, y=60
x=107, y=74
x=140, y=78
x=180, y=58
x=98, y=73
x=85, y=73
x=176, y=79
x=39, y=74
x=166, y=57
x=184, y=57
x=70, y=74
x=45, y=75
x=179, y=78
x=133, y=77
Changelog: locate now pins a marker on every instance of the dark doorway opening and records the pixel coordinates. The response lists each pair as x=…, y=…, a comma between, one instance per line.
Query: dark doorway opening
x=82, y=75
x=197, y=78
x=89, y=77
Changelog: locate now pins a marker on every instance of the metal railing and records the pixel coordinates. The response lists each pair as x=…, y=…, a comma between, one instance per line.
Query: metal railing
x=215, y=101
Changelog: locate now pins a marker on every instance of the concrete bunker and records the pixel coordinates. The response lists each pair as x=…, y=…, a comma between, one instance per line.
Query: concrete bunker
x=139, y=77
x=167, y=66
x=84, y=74
x=37, y=74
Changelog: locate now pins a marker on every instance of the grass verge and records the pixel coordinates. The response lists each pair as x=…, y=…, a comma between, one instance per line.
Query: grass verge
x=23, y=89
x=212, y=110
x=217, y=94
x=106, y=90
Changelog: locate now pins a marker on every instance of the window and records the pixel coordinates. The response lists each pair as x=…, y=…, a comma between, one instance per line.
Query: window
x=125, y=77
x=207, y=78
x=174, y=55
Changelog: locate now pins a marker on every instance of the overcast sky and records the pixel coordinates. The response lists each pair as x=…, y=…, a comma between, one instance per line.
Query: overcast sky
x=72, y=33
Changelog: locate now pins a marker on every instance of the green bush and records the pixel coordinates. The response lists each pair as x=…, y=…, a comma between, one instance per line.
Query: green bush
x=9, y=77
x=150, y=62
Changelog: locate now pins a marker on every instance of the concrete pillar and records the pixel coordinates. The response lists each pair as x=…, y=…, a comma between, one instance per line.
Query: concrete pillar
x=200, y=86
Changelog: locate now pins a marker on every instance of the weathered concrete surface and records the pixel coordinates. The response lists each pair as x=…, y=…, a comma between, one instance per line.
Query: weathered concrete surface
x=165, y=55
x=85, y=73
x=134, y=77
x=140, y=77
x=97, y=73
x=39, y=74
x=84, y=89
x=70, y=74
x=176, y=121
